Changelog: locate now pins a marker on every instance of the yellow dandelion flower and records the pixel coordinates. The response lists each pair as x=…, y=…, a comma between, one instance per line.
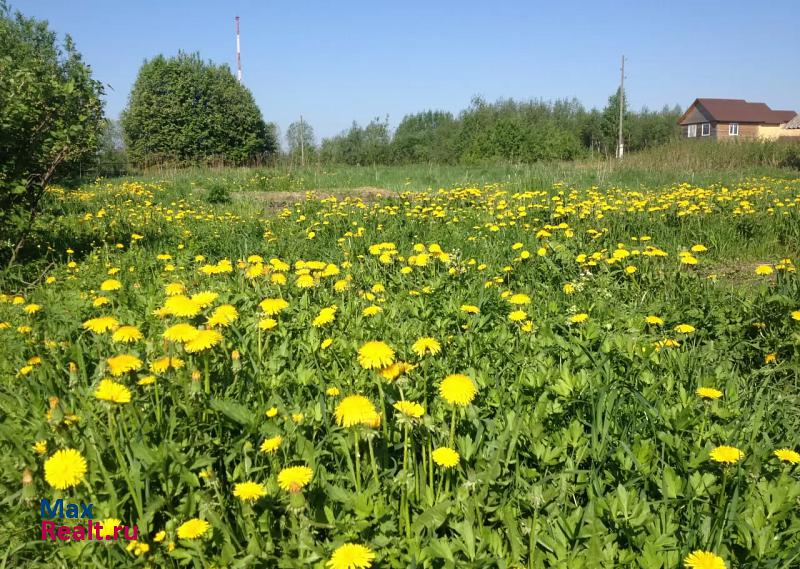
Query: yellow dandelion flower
x=355, y=410
x=204, y=298
x=703, y=560
x=272, y=412
x=304, y=281
x=193, y=528
x=127, y=334
x=101, y=301
x=110, y=284
x=271, y=444
x=40, y=447
x=101, y=324
x=181, y=332
x=445, y=457
x=519, y=299
x=517, y=315
x=123, y=363
x=325, y=316
x=351, y=556
x=108, y=525
x=426, y=345
x=326, y=343
x=655, y=320
x=32, y=308
x=272, y=306
x=294, y=478
x=65, y=469
x=395, y=370
x=161, y=365
x=764, y=270
x=787, y=455
x=684, y=328
x=375, y=355
x=204, y=340
x=249, y=491
x=267, y=323
x=410, y=409
x=457, y=389
x=708, y=393
x=332, y=392
x=182, y=306
x=726, y=454
x=112, y=391
x=147, y=380
x=699, y=248
x=469, y=309
x=371, y=310
x=224, y=315
x=174, y=289
x=796, y=315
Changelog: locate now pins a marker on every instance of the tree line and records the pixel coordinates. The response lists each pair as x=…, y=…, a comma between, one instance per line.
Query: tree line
x=506, y=130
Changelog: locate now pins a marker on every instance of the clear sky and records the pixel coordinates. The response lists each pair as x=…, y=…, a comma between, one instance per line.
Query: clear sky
x=336, y=62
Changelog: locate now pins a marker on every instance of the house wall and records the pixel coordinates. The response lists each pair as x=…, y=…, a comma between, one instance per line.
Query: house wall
x=746, y=131
x=713, y=134
x=695, y=116
x=772, y=132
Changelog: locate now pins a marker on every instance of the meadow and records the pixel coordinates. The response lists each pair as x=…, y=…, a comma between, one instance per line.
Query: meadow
x=506, y=369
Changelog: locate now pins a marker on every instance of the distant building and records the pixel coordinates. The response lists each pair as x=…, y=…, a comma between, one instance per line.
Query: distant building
x=736, y=118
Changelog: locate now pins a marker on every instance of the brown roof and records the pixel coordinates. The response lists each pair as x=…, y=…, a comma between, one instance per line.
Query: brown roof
x=794, y=123
x=739, y=110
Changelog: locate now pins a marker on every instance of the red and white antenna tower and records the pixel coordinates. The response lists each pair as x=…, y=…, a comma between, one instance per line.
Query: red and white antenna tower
x=238, y=53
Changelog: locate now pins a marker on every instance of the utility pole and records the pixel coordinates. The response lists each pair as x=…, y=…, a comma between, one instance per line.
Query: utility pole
x=238, y=53
x=620, y=143
x=302, y=142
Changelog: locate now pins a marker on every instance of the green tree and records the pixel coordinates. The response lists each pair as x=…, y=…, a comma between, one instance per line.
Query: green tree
x=609, y=124
x=425, y=137
x=51, y=116
x=184, y=110
x=300, y=137
x=112, y=159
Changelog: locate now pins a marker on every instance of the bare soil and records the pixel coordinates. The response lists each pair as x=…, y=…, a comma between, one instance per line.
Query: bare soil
x=281, y=199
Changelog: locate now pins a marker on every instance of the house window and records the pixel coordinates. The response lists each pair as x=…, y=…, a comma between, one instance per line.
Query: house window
x=733, y=129
x=691, y=131
x=706, y=129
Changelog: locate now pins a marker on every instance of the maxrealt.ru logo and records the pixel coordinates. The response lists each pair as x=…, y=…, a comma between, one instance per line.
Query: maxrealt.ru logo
x=87, y=530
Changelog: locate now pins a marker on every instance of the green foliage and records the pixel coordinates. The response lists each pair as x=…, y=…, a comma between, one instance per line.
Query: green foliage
x=359, y=145
x=184, y=110
x=507, y=130
x=300, y=138
x=425, y=137
x=218, y=193
x=51, y=117
x=112, y=159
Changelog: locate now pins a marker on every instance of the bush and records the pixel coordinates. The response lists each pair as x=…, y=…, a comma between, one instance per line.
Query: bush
x=51, y=117
x=218, y=193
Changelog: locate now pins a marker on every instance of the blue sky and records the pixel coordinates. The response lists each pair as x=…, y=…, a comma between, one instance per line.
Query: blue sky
x=336, y=62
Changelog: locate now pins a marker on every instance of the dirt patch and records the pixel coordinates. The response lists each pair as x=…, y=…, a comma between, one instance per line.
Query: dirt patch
x=739, y=272
x=281, y=199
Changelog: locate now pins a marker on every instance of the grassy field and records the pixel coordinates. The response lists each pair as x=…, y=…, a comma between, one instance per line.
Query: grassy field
x=519, y=369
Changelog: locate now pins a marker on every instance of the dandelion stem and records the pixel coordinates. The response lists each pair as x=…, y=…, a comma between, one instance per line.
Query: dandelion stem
x=453, y=428
x=372, y=460
x=357, y=460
